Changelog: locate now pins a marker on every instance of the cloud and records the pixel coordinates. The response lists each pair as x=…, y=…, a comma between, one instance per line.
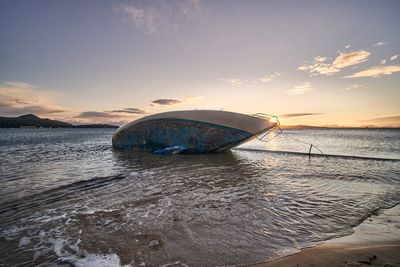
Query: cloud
x=233, y=82
x=375, y=72
x=145, y=20
x=380, y=44
x=114, y=117
x=19, y=84
x=393, y=121
x=319, y=64
x=300, y=89
x=18, y=98
x=320, y=59
x=166, y=102
x=394, y=57
x=318, y=68
x=188, y=7
x=94, y=117
x=271, y=77
x=7, y=109
x=292, y=115
x=174, y=102
x=125, y=113
x=152, y=17
x=355, y=86
x=129, y=111
x=350, y=59
x=97, y=114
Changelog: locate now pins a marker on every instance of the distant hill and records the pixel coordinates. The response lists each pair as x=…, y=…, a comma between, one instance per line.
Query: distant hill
x=31, y=120
x=303, y=127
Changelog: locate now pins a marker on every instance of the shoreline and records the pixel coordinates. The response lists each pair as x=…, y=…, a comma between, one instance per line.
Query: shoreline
x=374, y=242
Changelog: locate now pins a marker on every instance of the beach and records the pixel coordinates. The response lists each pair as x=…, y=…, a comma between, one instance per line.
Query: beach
x=199, y=133
x=375, y=242
x=343, y=255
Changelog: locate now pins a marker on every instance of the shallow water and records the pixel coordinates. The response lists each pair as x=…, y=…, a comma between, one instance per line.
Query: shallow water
x=67, y=197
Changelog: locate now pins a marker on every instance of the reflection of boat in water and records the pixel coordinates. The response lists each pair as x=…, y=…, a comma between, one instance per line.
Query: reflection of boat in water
x=191, y=131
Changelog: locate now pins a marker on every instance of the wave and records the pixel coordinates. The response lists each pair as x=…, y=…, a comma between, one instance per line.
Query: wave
x=53, y=195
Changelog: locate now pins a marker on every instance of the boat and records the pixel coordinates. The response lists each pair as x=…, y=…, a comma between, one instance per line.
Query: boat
x=192, y=131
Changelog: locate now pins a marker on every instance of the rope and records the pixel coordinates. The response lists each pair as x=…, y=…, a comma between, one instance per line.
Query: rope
x=263, y=115
x=280, y=131
x=311, y=145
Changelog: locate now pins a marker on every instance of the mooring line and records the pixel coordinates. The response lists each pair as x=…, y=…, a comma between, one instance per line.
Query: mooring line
x=318, y=155
x=310, y=144
x=280, y=131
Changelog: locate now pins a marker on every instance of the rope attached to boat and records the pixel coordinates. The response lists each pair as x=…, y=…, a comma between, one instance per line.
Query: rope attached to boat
x=311, y=145
x=272, y=130
x=262, y=136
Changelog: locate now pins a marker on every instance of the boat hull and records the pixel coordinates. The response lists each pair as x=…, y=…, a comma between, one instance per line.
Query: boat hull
x=191, y=136
x=190, y=131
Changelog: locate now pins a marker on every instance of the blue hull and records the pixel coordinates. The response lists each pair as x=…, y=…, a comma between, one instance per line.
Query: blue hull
x=179, y=135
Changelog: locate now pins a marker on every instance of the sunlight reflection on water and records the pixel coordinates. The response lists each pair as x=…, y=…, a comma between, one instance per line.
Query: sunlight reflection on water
x=67, y=196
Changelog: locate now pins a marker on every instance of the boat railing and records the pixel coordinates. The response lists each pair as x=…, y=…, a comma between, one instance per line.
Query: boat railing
x=276, y=130
x=264, y=116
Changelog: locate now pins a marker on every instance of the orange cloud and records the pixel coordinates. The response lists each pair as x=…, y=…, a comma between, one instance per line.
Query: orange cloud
x=320, y=66
x=233, y=82
x=356, y=86
x=18, y=98
x=375, y=72
x=388, y=121
x=174, y=102
x=350, y=59
x=293, y=115
x=300, y=89
x=129, y=111
x=271, y=77
x=107, y=117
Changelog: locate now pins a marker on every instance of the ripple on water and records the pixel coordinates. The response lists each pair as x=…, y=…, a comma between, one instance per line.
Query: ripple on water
x=135, y=208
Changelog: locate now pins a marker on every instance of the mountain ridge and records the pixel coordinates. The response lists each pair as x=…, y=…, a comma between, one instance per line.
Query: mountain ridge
x=33, y=121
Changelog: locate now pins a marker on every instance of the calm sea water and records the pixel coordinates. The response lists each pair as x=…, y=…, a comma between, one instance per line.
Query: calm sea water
x=68, y=198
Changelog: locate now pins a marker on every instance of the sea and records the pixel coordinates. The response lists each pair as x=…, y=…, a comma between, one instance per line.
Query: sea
x=67, y=198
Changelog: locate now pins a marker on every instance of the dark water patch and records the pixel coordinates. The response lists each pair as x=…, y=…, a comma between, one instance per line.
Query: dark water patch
x=30, y=203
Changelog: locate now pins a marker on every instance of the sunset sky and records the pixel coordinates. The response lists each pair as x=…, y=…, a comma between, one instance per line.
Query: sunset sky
x=309, y=62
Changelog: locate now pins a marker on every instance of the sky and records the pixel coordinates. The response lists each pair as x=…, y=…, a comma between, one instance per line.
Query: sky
x=322, y=63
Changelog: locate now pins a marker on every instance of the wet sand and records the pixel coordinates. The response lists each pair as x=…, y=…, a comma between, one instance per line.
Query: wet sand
x=344, y=255
x=375, y=242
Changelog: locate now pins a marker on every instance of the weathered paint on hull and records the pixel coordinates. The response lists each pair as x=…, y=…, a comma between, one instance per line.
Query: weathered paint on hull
x=193, y=136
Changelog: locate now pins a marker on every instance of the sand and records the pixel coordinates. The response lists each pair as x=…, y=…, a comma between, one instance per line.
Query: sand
x=375, y=242
x=386, y=255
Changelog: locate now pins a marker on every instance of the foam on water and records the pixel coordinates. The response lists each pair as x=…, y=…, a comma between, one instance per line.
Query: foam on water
x=95, y=260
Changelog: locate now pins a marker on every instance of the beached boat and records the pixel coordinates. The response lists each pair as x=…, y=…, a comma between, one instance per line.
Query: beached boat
x=191, y=131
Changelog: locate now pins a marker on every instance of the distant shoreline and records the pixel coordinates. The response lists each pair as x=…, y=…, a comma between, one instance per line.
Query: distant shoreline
x=88, y=126
x=31, y=121
x=339, y=128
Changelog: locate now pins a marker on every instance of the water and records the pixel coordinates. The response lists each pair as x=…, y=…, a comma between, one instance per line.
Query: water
x=67, y=197
x=375, y=143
